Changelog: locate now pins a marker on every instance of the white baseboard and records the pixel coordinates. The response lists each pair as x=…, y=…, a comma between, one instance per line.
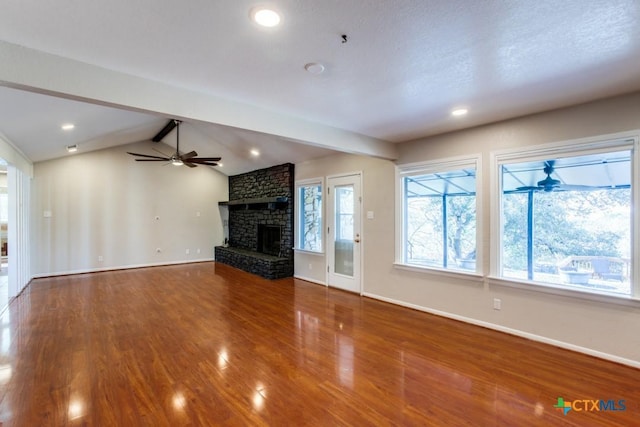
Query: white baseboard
x=510, y=331
x=306, y=279
x=115, y=268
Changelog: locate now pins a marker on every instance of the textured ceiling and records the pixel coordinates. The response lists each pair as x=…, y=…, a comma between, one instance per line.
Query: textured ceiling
x=405, y=65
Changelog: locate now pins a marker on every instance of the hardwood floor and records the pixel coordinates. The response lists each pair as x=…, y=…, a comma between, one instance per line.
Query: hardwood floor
x=206, y=344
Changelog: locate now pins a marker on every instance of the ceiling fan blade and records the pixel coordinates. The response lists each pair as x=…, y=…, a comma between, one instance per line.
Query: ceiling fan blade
x=560, y=187
x=158, y=151
x=519, y=189
x=189, y=155
x=189, y=164
x=207, y=159
x=208, y=163
x=148, y=156
x=571, y=187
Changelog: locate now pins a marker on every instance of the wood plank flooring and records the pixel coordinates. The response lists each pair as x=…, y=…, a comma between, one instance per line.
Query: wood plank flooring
x=208, y=345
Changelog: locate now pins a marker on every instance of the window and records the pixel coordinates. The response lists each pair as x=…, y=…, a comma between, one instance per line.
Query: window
x=344, y=213
x=309, y=215
x=566, y=216
x=439, y=215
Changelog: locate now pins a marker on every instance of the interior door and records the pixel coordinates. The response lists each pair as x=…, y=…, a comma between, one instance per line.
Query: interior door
x=344, y=232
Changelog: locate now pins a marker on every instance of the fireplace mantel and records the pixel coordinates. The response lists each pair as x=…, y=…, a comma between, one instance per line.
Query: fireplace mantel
x=278, y=202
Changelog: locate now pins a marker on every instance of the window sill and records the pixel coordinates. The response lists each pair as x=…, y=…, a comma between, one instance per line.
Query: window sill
x=305, y=251
x=457, y=274
x=566, y=291
x=537, y=287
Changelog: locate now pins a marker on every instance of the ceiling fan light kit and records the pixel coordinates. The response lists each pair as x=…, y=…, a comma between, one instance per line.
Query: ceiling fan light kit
x=189, y=159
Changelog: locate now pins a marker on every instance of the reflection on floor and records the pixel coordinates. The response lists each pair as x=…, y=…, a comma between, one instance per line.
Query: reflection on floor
x=4, y=287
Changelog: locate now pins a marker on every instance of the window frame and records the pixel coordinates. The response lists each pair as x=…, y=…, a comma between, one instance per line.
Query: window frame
x=563, y=149
x=473, y=161
x=312, y=182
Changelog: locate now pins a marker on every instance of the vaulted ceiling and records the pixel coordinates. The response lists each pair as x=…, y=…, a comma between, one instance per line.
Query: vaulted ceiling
x=120, y=69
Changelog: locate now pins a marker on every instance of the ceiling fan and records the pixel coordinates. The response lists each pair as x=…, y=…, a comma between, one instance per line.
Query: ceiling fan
x=189, y=159
x=550, y=184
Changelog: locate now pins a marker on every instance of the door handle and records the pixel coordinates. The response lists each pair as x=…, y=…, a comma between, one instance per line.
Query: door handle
x=357, y=239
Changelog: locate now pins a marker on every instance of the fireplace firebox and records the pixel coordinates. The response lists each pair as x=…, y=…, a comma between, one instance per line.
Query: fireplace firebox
x=269, y=239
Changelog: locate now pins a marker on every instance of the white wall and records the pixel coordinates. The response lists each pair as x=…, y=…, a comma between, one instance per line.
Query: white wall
x=103, y=203
x=596, y=327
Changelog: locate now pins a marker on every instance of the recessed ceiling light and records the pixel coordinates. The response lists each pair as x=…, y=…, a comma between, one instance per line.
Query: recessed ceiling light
x=72, y=148
x=220, y=165
x=265, y=17
x=314, y=67
x=254, y=152
x=459, y=112
x=67, y=126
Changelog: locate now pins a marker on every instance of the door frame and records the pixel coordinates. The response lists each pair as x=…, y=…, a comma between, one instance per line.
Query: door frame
x=357, y=176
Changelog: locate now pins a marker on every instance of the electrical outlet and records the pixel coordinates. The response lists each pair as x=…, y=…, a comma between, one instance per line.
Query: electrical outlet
x=198, y=250
x=187, y=252
x=310, y=266
x=100, y=258
x=497, y=304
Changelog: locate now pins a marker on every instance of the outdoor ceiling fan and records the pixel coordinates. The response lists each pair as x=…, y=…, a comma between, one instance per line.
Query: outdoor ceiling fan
x=551, y=184
x=189, y=159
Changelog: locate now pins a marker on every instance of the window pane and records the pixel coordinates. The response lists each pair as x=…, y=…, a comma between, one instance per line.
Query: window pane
x=461, y=231
x=344, y=211
x=568, y=222
x=423, y=227
x=310, y=211
x=440, y=220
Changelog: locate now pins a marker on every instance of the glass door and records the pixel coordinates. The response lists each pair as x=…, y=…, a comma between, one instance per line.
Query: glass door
x=344, y=232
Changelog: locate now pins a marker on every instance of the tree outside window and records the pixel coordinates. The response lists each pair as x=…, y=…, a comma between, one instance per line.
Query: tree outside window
x=567, y=221
x=440, y=219
x=310, y=217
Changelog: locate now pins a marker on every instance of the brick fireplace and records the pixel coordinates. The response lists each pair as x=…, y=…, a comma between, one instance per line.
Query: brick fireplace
x=260, y=222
